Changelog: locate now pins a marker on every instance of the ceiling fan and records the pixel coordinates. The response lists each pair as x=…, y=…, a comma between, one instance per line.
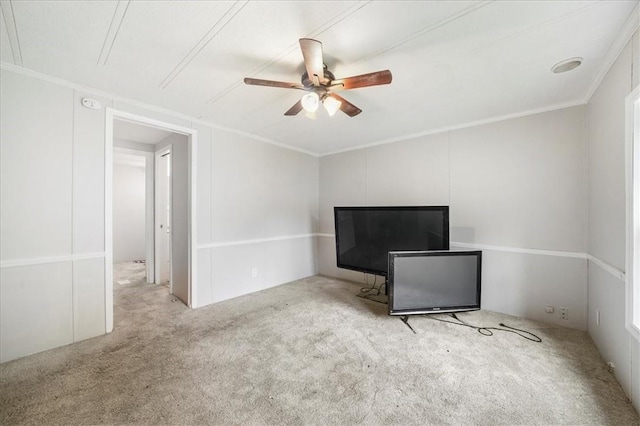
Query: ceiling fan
x=320, y=83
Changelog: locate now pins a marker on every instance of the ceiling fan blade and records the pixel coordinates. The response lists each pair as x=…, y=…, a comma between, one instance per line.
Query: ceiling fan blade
x=347, y=107
x=365, y=80
x=313, y=62
x=295, y=108
x=271, y=83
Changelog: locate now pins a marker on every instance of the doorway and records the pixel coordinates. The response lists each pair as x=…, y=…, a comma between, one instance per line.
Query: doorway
x=169, y=242
x=132, y=201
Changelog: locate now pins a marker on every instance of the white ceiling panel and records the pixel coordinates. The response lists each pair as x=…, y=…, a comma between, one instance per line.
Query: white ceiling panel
x=63, y=38
x=453, y=62
x=264, y=34
x=360, y=37
x=155, y=38
x=6, y=54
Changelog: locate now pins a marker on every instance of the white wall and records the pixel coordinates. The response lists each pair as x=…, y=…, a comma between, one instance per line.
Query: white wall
x=129, y=194
x=607, y=234
x=516, y=189
x=256, y=208
x=259, y=208
x=52, y=219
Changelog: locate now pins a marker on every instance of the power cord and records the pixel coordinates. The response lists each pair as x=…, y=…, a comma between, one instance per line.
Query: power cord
x=486, y=331
x=367, y=290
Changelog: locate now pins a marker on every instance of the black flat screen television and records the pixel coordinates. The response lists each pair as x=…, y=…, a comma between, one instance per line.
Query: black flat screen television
x=427, y=282
x=366, y=235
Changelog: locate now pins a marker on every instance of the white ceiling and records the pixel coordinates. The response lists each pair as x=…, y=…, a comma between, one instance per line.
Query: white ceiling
x=453, y=62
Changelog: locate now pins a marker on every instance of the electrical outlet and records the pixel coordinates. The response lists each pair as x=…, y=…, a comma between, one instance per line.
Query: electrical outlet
x=564, y=313
x=549, y=309
x=597, y=317
x=254, y=272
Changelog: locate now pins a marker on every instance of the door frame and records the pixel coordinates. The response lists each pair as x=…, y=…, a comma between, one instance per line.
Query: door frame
x=192, y=141
x=157, y=156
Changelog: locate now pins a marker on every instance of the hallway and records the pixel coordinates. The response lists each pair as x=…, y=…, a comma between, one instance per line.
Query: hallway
x=134, y=299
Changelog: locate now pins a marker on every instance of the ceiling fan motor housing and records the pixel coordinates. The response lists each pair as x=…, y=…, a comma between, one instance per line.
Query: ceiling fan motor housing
x=308, y=83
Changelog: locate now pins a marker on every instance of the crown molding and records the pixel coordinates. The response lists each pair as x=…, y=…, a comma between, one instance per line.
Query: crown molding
x=149, y=107
x=630, y=26
x=460, y=126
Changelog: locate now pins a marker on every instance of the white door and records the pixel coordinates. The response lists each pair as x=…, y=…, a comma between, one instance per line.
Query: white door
x=163, y=217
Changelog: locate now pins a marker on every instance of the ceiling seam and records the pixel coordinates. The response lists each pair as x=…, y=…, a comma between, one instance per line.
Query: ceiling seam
x=539, y=24
x=12, y=31
x=204, y=41
x=239, y=83
x=428, y=29
x=462, y=14
x=110, y=37
x=339, y=18
x=324, y=27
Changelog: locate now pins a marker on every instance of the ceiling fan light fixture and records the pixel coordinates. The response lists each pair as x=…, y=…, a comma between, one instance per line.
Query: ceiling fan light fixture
x=310, y=102
x=332, y=105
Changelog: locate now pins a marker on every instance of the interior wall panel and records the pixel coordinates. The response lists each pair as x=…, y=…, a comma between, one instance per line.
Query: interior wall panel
x=129, y=213
x=88, y=298
x=414, y=172
x=88, y=175
x=274, y=263
x=521, y=182
x=232, y=271
x=524, y=284
x=635, y=371
x=290, y=187
x=36, y=309
x=36, y=123
x=606, y=127
x=606, y=295
x=203, y=179
x=606, y=147
x=237, y=187
x=342, y=183
x=327, y=262
x=205, y=288
x=289, y=260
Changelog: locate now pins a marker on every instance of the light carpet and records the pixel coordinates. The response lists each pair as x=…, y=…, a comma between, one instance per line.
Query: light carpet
x=310, y=352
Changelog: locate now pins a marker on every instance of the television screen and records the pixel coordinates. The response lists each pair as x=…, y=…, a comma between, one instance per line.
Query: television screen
x=432, y=282
x=366, y=235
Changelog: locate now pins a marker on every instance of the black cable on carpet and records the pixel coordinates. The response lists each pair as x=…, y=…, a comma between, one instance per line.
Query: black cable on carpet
x=487, y=331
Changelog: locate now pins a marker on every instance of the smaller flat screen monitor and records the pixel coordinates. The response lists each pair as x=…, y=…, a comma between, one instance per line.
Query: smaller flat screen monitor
x=424, y=282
